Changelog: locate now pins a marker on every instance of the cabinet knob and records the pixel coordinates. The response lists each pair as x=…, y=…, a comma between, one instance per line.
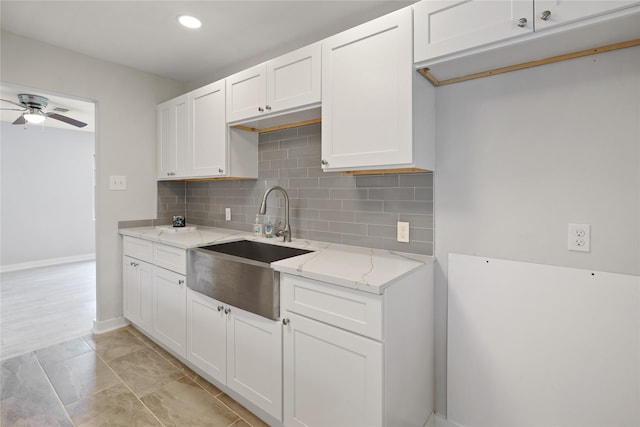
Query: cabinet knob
x=260, y=109
x=220, y=308
x=180, y=282
x=285, y=321
x=220, y=171
x=134, y=264
x=268, y=107
x=227, y=310
x=324, y=162
x=522, y=22
x=545, y=15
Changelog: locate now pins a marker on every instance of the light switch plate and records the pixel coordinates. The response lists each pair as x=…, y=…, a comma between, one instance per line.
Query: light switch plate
x=117, y=182
x=227, y=214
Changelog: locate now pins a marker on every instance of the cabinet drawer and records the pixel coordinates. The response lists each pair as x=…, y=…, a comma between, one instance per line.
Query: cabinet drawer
x=137, y=248
x=174, y=259
x=347, y=309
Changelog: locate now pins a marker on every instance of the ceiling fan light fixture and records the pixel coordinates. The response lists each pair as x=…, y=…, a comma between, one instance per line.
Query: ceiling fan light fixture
x=34, y=116
x=189, y=21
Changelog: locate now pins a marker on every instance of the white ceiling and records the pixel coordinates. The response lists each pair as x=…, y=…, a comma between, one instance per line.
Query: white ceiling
x=146, y=35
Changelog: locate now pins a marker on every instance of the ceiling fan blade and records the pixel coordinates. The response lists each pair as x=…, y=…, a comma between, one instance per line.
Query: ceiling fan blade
x=12, y=109
x=20, y=120
x=11, y=102
x=69, y=120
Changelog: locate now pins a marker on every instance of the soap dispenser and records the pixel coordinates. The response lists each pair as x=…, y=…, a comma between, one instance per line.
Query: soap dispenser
x=268, y=228
x=257, y=227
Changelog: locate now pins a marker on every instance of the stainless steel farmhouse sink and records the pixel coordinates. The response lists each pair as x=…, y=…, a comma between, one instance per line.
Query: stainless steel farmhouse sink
x=239, y=273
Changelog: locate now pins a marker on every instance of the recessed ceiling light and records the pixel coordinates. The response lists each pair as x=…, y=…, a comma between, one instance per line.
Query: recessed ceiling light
x=189, y=21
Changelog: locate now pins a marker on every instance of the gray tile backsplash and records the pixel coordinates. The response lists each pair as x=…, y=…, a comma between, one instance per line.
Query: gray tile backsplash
x=357, y=210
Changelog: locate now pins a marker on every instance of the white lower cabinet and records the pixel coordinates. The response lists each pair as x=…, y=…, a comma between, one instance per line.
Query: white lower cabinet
x=238, y=349
x=138, y=290
x=207, y=335
x=353, y=358
x=169, y=296
x=154, y=289
x=332, y=377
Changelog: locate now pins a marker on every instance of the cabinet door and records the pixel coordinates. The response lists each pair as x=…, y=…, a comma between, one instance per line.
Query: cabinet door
x=138, y=293
x=445, y=27
x=293, y=80
x=207, y=335
x=331, y=377
x=551, y=13
x=254, y=359
x=246, y=93
x=173, y=138
x=208, y=130
x=367, y=75
x=170, y=316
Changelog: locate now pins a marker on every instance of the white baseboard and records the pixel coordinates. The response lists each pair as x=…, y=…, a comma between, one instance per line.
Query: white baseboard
x=46, y=262
x=443, y=422
x=109, y=325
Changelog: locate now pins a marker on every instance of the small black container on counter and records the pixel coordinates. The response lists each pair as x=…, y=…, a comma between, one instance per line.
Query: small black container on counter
x=179, y=221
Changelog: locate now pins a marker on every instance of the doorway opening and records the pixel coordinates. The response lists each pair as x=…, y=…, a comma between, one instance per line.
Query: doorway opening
x=47, y=222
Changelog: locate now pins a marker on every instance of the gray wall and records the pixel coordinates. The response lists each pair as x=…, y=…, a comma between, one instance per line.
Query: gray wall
x=355, y=210
x=47, y=194
x=521, y=155
x=126, y=102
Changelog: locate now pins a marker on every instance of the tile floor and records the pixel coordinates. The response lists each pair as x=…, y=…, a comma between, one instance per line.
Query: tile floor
x=120, y=378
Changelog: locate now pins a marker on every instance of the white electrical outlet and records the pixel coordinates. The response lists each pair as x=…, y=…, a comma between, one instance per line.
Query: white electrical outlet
x=580, y=237
x=227, y=214
x=403, y=232
x=117, y=182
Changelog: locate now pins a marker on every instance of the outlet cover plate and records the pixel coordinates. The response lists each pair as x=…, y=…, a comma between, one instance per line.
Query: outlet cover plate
x=403, y=232
x=579, y=237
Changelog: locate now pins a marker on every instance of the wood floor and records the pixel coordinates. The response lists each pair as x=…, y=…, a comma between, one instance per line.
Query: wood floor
x=44, y=306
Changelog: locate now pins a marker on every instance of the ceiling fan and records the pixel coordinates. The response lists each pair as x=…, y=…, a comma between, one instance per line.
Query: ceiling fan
x=32, y=106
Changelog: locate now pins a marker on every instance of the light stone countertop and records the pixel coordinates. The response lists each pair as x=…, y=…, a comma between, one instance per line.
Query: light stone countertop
x=365, y=269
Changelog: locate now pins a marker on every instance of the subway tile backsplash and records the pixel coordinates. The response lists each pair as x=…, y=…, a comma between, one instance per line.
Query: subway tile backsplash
x=357, y=210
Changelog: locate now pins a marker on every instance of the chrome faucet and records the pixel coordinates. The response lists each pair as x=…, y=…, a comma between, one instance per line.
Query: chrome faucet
x=286, y=231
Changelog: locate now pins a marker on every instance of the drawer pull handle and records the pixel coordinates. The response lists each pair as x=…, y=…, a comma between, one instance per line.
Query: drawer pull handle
x=545, y=15
x=285, y=322
x=522, y=22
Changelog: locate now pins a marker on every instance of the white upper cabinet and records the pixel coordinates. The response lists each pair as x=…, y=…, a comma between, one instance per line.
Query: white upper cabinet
x=173, y=138
x=458, y=38
x=289, y=82
x=247, y=93
x=443, y=27
x=194, y=141
x=551, y=13
x=208, y=154
x=293, y=80
x=377, y=113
